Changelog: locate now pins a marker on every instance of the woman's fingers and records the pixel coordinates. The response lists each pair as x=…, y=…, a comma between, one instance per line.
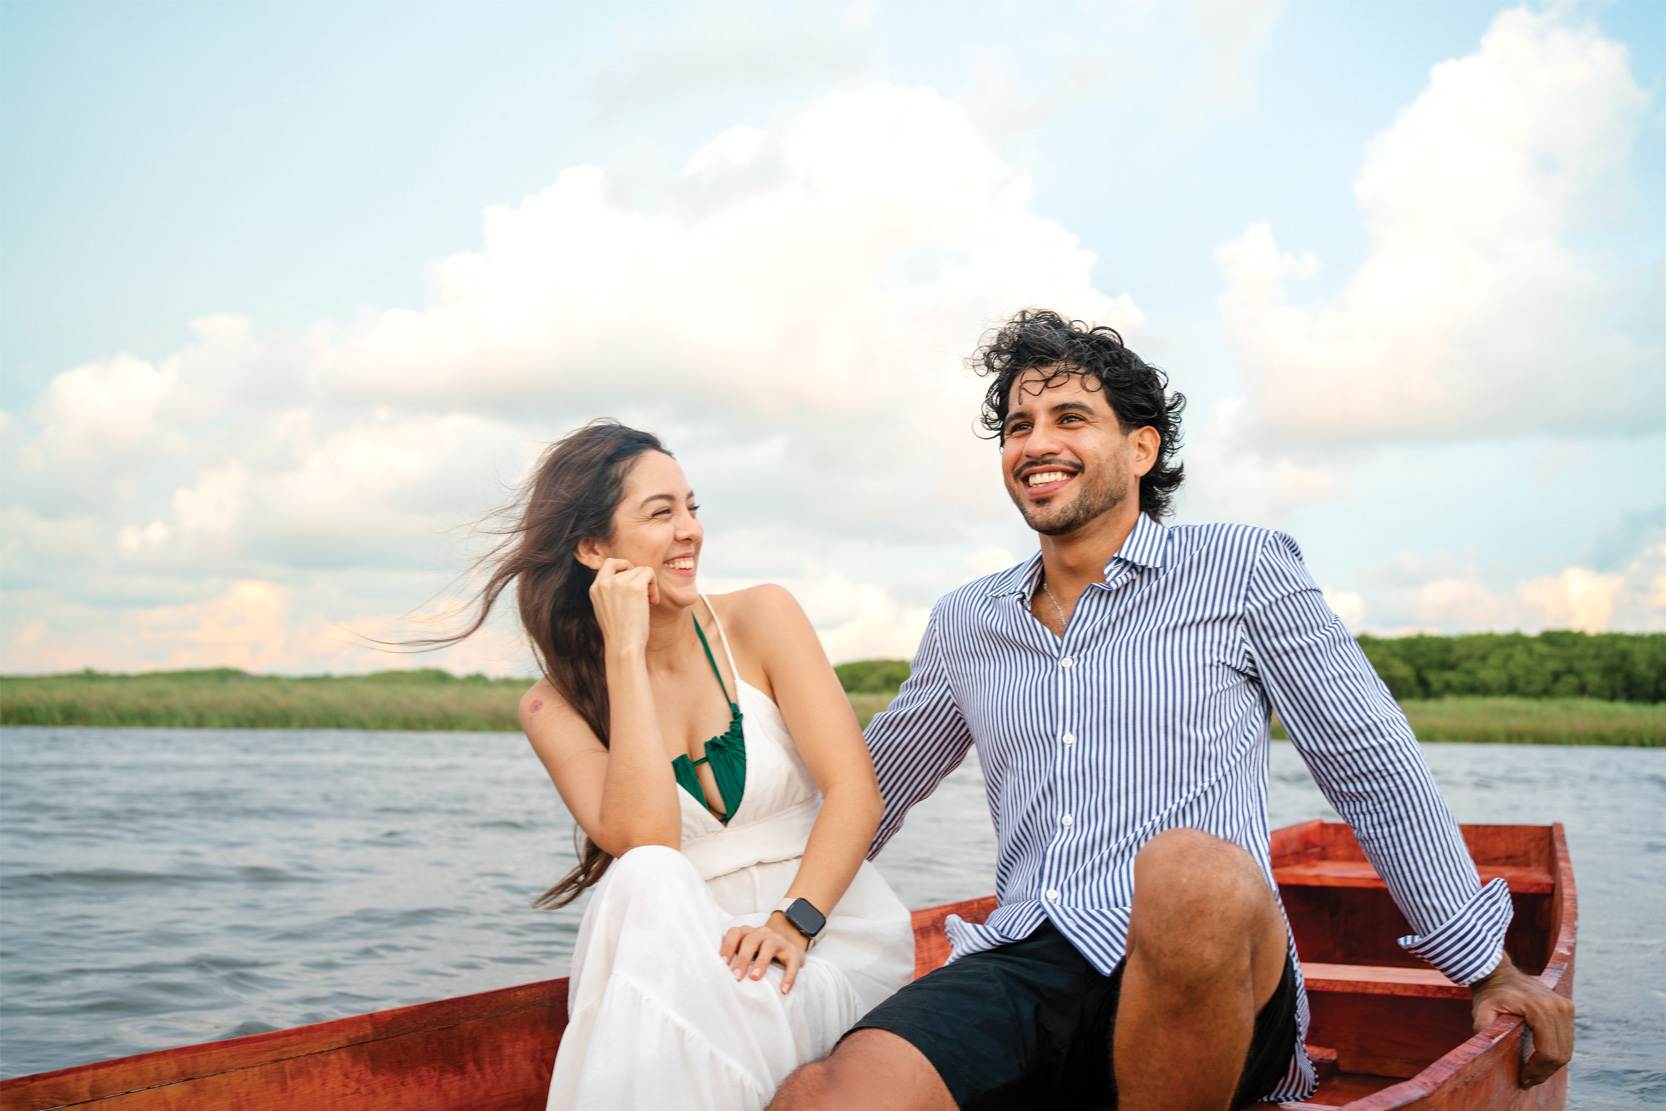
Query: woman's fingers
x=766, y=953
x=745, y=951
x=749, y=953
x=792, y=960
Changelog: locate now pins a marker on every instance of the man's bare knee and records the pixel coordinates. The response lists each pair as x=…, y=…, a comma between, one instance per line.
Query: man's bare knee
x=870, y=1070
x=1198, y=901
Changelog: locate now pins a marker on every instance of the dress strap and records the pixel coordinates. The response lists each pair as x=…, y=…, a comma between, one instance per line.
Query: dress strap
x=727, y=651
x=713, y=661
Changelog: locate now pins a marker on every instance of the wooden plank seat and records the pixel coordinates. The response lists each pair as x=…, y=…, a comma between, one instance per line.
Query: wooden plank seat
x=1359, y=873
x=1369, y=979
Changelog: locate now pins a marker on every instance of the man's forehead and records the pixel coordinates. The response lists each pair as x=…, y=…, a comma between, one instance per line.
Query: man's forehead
x=1058, y=383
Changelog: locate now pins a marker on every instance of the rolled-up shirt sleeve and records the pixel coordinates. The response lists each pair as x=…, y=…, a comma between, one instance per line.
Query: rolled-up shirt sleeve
x=917, y=740
x=1365, y=759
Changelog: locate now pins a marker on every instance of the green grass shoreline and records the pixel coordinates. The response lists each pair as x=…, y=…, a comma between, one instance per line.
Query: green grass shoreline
x=436, y=700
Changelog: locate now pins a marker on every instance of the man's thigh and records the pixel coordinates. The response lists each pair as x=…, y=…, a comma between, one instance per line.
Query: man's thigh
x=1015, y=1027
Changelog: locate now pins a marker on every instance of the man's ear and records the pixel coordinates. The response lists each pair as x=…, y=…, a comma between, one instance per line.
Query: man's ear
x=1144, y=444
x=589, y=552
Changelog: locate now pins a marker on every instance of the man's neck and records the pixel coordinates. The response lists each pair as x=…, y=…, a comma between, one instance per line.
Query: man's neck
x=1074, y=560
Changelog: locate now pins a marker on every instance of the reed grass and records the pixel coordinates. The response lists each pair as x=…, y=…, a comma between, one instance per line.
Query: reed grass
x=228, y=699
x=435, y=700
x=1534, y=721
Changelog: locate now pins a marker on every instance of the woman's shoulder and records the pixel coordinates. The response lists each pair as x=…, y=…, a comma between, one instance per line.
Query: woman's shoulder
x=755, y=607
x=540, y=698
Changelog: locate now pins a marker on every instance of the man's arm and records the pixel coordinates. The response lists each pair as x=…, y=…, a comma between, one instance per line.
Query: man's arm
x=1365, y=759
x=917, y=740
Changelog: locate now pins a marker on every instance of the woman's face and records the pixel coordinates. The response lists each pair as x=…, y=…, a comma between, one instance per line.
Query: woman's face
x=654, y=526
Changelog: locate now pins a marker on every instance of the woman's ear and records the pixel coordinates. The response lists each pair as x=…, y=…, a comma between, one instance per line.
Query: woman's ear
x=589, y=552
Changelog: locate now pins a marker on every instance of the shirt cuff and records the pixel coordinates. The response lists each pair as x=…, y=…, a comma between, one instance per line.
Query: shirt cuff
x=1468, y=945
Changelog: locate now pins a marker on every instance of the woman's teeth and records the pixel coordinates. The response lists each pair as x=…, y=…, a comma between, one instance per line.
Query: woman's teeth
x=681, y=563
x=1042, y=478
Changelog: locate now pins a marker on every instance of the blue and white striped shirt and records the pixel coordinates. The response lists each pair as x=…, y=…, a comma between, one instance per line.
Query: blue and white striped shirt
x=1151, y=713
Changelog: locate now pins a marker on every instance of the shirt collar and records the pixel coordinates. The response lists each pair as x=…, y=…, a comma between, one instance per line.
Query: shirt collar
x=1145, y=547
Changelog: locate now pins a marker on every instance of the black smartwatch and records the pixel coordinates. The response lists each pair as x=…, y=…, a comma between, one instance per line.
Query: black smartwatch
x=804, y=916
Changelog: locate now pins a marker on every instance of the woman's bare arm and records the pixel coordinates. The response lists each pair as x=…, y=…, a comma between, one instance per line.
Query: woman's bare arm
x=623, y=795
x=778, y=638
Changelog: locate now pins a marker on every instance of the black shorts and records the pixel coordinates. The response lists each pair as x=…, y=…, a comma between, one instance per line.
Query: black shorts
x=1029, y=1025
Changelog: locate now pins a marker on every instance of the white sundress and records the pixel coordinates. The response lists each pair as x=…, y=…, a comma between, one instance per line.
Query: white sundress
x=655, y=1017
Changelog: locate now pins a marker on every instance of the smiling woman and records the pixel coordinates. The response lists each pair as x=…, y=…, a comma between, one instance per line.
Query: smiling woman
x=706, y=749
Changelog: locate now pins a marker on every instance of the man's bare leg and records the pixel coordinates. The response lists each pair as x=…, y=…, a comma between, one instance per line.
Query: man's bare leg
x=871, y=1070
x=1206, y=950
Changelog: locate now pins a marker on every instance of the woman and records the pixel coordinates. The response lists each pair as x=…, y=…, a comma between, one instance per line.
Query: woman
x=707, y=751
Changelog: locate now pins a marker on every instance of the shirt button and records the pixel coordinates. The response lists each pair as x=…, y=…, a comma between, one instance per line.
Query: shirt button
x=1066, y=820
x=1066, y=662
x=1068, y=738
x=1052, y=895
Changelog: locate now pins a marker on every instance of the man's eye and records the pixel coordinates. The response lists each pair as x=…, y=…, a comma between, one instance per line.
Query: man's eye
x=1018, y=426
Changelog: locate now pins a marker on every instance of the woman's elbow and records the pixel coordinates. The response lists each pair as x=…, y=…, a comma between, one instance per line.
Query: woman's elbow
x=618, y=840
x=860, y=802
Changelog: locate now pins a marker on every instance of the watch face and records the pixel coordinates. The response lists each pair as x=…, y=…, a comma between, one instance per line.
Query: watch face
x=805, y=917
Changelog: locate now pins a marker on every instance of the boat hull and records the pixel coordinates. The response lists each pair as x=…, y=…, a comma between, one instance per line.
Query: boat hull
x=1387, y=1033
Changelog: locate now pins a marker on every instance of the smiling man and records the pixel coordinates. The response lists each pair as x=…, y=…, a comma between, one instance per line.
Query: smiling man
x=1117, y=686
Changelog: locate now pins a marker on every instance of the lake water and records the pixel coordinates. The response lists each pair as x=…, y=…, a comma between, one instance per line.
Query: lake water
x=161, y=887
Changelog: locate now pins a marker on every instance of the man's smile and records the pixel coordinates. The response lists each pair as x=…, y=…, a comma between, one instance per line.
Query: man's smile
x=1045, y=480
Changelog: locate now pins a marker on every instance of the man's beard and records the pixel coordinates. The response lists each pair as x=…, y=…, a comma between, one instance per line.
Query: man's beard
x=1094, y=499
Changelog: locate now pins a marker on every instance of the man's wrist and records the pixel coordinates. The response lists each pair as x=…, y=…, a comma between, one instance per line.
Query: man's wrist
x=1500, y=971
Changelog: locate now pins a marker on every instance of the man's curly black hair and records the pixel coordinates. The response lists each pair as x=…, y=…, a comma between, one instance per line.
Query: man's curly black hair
x=1137, y=392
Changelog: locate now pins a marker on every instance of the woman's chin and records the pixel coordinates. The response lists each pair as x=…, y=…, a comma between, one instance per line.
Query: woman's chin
x=681, y=592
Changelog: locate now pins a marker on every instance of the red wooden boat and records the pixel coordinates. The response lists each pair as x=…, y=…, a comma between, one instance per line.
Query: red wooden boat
x=1388, y=1032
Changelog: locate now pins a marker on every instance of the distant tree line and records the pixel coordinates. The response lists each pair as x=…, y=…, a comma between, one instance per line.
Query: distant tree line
x=872, y=676
x=1620, y=667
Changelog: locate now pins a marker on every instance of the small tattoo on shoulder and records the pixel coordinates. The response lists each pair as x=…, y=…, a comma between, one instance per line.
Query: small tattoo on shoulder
x=537, y=704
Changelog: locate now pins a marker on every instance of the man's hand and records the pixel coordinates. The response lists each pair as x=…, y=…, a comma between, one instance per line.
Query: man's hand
x=1507, y=990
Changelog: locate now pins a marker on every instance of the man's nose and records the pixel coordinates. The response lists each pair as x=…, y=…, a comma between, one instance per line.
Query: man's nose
x=1042, y=441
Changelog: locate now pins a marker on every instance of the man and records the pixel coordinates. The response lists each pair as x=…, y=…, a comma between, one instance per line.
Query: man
x=1117, y=687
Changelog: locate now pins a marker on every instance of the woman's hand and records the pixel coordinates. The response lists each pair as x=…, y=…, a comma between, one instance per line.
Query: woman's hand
x=622, y=595
x=750, y=949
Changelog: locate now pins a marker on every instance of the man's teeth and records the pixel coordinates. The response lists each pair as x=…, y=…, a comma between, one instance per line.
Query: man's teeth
x=1041, y=478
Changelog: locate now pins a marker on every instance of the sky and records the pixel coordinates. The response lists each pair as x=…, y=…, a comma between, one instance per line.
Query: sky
x=292, y=295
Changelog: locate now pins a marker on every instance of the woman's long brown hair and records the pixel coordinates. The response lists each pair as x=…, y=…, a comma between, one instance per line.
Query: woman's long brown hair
x=570, y=497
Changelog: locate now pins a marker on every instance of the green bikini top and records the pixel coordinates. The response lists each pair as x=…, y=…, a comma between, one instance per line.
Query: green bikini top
x=726, y=753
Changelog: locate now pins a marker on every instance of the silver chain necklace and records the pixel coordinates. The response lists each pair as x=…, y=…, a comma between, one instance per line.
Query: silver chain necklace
x=1055, y=601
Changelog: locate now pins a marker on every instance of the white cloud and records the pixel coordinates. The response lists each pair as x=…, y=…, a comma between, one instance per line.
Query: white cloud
x=793, y=319
x=1447, y=595
x=1476, y=311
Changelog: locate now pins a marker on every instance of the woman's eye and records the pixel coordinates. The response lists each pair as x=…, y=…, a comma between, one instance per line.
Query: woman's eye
x=694, y=509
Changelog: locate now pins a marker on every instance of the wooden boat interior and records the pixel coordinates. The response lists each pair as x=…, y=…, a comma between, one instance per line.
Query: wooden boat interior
x=1387, y=1031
